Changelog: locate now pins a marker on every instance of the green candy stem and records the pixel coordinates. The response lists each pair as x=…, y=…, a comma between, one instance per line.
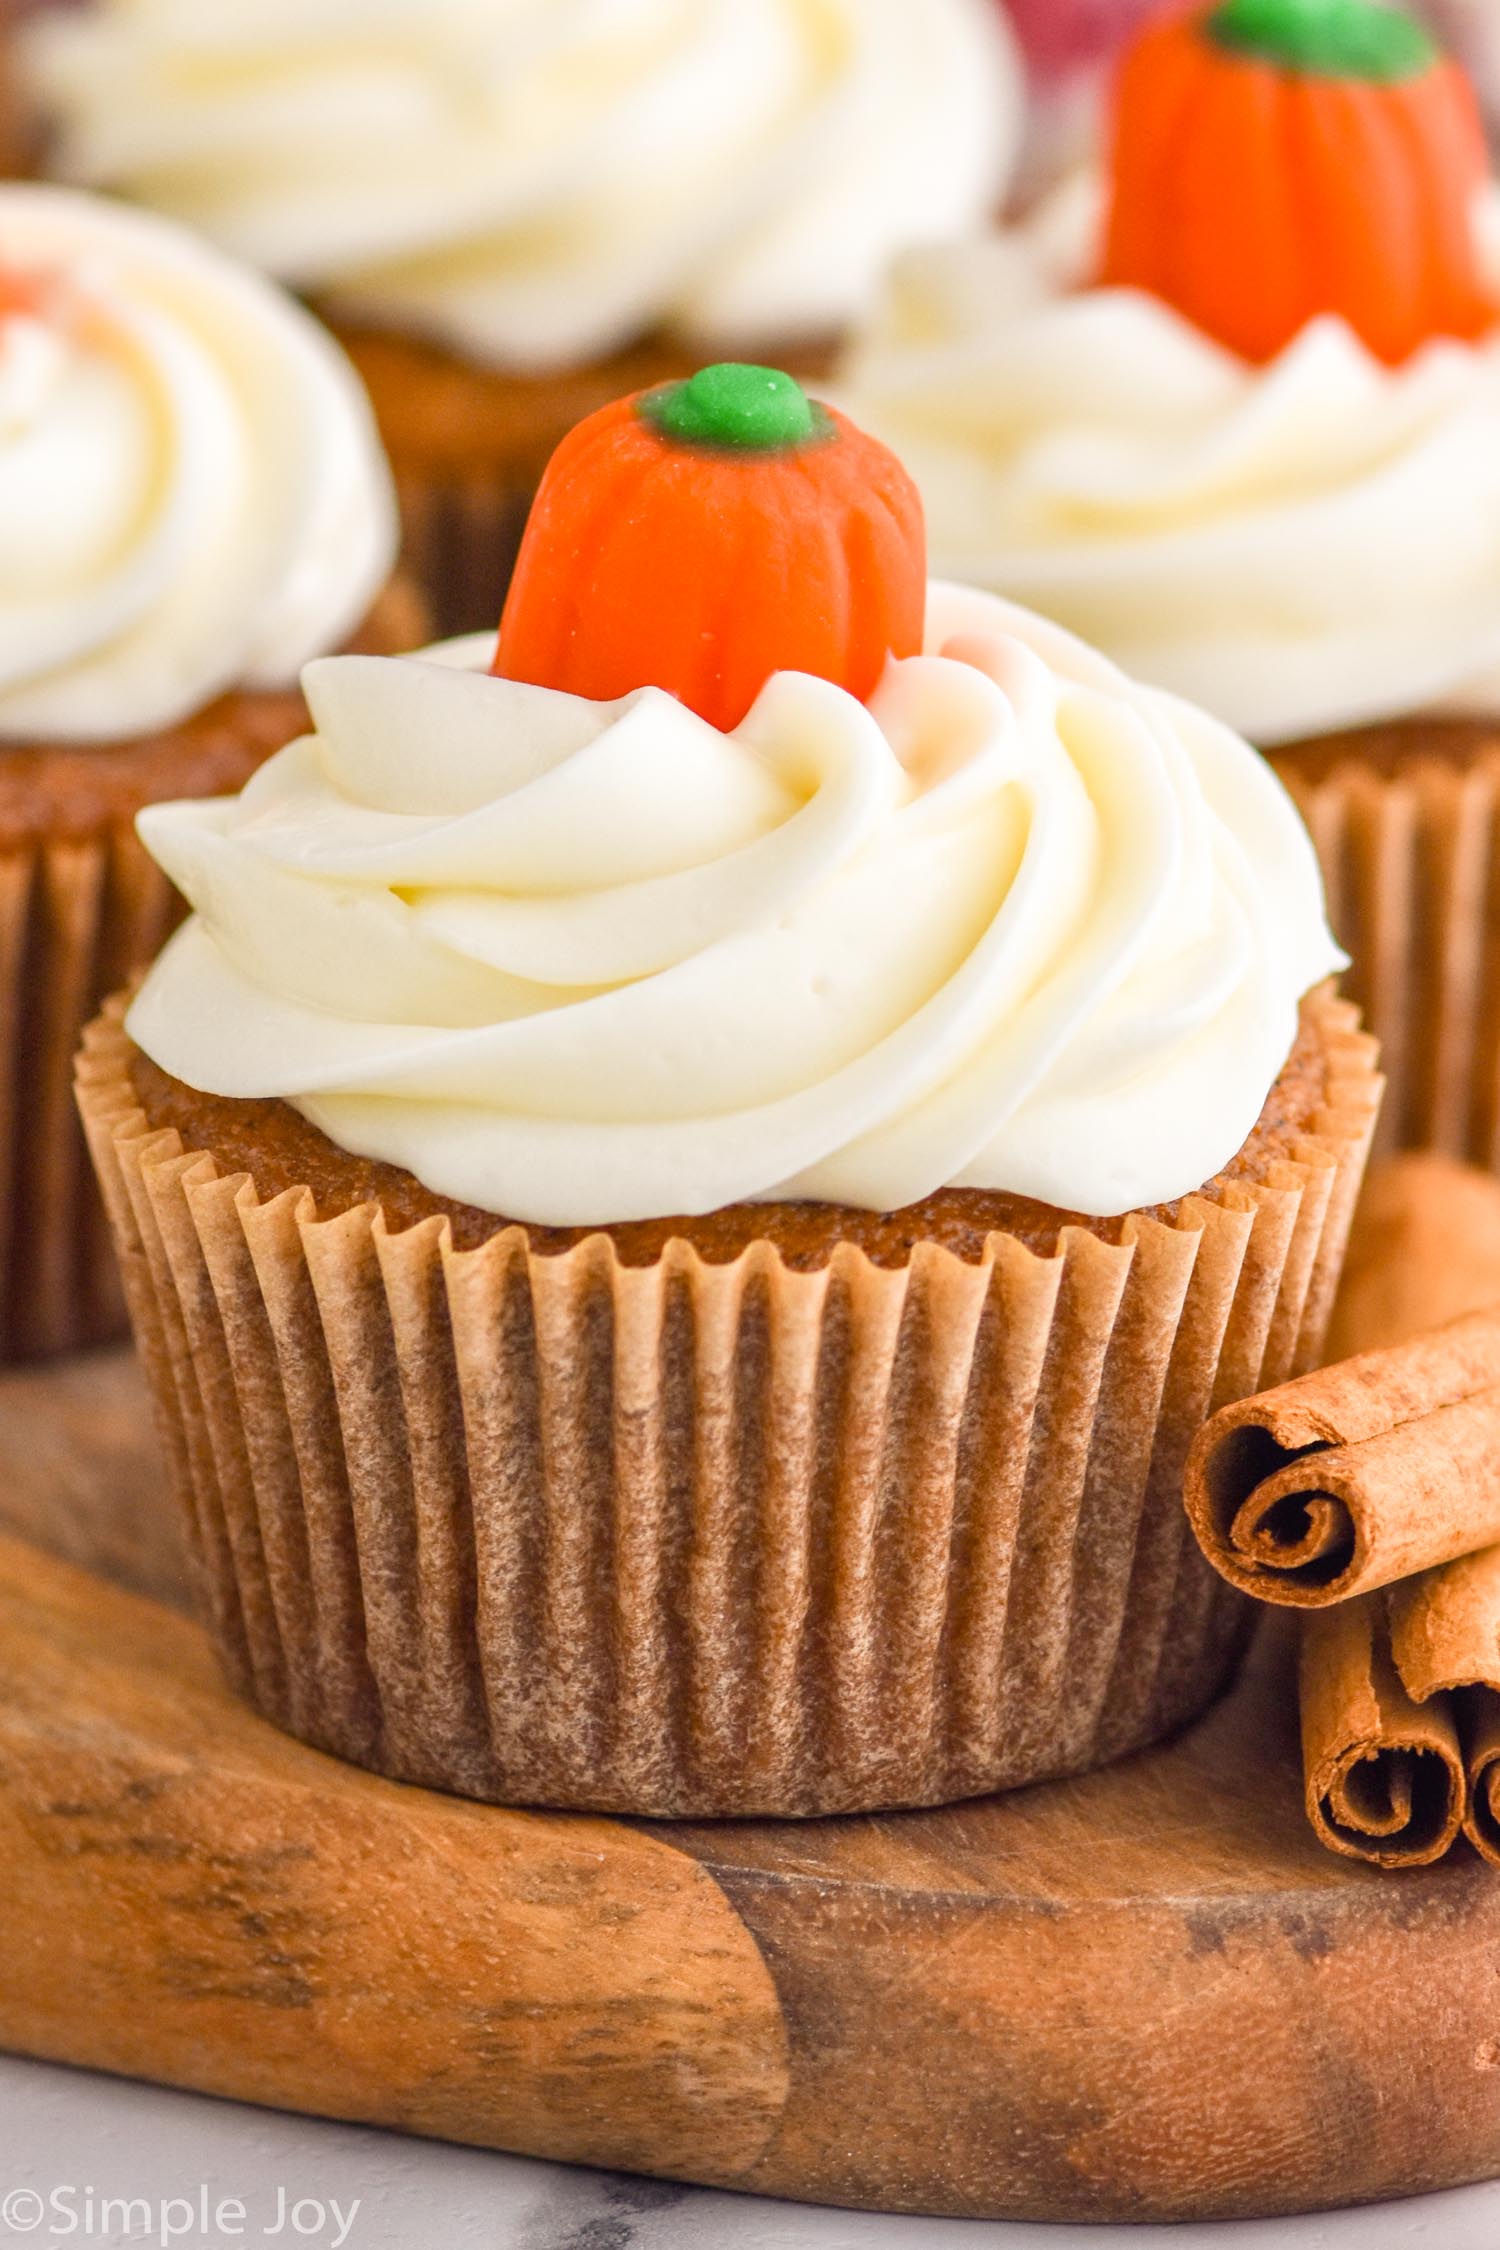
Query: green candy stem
x=737, y=409
x=1326, y=38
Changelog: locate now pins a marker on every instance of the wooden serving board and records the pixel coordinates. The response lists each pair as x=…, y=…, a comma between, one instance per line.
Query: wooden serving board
x=1148, y=1994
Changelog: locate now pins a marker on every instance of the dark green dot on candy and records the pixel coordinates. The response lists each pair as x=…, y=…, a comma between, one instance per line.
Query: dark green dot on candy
x=1326, y=38
x=742, y=409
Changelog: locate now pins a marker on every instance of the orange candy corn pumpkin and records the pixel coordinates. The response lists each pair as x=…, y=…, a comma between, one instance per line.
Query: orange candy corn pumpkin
x=702, y=537
x=1278, y=159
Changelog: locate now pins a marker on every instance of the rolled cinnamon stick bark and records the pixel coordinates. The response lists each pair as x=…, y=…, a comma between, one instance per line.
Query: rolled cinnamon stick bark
x=1400, y=1709
x=1385, y=1775
x=1479, y=1731
x=1445, y=1642
x=1358, y=1475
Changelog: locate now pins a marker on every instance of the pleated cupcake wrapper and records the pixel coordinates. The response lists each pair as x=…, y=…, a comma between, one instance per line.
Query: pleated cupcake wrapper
x=461, y=535
x=1411, y=859
x=76, y=917
x=80, y=913
x=19, y=135
x=697, y=1539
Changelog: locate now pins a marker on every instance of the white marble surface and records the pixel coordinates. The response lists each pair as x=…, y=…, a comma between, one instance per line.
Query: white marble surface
x=70, y=2140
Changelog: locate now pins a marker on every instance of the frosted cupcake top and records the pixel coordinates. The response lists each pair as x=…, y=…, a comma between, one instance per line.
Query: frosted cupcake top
x=1015, y=923
x=192, y=496
x=752, y=867
x=541, y=181
x=1259, y=466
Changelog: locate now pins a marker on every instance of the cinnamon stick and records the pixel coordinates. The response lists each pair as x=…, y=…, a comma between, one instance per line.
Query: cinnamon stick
x=1358, y=1475
x=1401, y=1689
x=1385, y=1775
x=1479, y=1730
x=1445, y=1641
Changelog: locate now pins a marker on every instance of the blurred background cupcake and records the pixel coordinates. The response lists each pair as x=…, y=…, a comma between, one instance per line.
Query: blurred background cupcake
x=193, y=502
x=515, y=211
x=1228, y=404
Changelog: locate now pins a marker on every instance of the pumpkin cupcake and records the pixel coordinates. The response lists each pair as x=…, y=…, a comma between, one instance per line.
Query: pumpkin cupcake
x=692, y=1176
x=192, y=503
x=1232, y=411
x=513, y=214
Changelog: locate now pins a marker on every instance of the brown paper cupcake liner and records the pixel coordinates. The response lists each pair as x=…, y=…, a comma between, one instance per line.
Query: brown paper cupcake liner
x=700, y=1539
x=1410, y=850
x=20, y=132
x=77, y=913
x=82, y=908
x=15, y=140
x=461, y=535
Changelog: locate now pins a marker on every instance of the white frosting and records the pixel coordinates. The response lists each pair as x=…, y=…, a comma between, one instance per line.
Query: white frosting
x=192, y=496
x=1299, y=547
x=540, y=181
x=1016, y=924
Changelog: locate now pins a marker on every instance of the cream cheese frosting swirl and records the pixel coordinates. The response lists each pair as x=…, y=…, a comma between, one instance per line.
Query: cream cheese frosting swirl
x=1300, y=547
x=540, y=181
x=1015, y=924
x=192, y=496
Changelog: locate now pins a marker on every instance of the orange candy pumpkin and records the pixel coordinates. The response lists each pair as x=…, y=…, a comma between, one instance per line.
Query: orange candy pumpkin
x=1278, y=159
x=703, y=537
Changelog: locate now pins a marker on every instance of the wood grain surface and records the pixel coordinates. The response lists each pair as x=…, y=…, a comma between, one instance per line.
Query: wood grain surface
x=80, y=1473
x=1146, y=1994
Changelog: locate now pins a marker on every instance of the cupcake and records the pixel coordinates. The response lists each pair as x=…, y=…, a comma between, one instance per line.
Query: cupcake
x=1232, y=412
x=693, y=1173
x=515, y=213
x=192, y=503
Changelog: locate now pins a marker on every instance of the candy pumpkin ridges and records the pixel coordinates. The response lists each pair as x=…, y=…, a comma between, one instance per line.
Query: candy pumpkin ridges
x=1274, y=160
x=774, y=536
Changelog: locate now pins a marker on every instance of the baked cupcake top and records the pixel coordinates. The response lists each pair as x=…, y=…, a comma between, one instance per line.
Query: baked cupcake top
x=628, y=918
x=539, y=183
x=1232, y=411
x=192, y=496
